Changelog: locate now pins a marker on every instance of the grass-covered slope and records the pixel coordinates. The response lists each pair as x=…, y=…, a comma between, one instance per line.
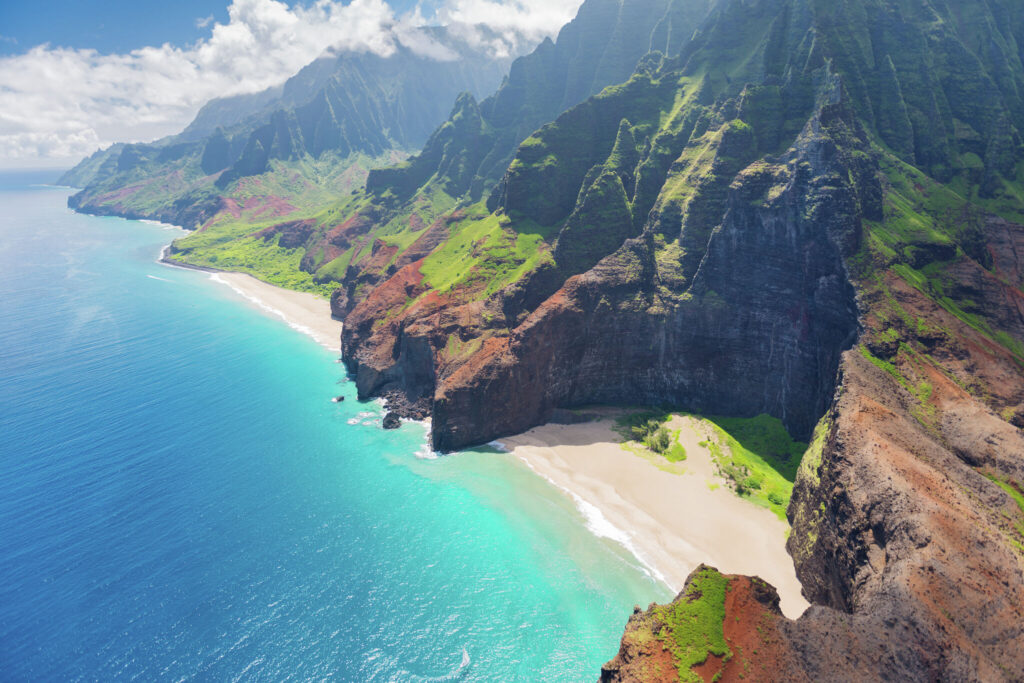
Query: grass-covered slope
x=361, y=241
x=335, y=121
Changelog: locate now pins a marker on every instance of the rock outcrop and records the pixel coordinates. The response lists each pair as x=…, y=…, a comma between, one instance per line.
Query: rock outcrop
x=759, y=329
x=911, y=553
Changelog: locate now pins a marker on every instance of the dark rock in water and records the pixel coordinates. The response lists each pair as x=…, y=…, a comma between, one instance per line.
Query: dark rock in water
x=339, y=399
x=392, y=421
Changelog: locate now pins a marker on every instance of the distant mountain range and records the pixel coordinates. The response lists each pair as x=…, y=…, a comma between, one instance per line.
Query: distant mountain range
x=354, y=108
x=806, y=208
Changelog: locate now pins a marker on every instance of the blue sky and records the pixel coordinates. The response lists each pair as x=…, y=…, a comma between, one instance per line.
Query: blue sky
x=113, y=26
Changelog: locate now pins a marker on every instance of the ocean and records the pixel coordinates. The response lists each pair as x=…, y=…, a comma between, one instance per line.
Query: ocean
x=181, y=500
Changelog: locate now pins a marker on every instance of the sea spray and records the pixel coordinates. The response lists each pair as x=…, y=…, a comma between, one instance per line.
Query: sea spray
x=162, y=225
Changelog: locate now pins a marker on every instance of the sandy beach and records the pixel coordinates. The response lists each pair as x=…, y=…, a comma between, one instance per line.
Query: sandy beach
x=305, y=312
x=671, y=516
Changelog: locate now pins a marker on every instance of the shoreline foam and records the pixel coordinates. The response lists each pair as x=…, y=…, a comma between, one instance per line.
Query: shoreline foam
x=301, y=311
x=668, y=516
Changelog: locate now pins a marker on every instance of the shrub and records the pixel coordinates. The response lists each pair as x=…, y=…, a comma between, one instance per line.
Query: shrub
x=659, y=441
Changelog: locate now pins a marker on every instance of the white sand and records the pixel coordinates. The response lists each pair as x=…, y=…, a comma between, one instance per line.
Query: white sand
x=304, y=312
x=667, y=514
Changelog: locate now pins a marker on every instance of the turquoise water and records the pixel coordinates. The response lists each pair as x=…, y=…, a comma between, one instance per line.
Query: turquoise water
x=179, y=498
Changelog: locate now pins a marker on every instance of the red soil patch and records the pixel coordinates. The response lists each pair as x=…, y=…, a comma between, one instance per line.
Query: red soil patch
x=267, y=206
x=751, y=630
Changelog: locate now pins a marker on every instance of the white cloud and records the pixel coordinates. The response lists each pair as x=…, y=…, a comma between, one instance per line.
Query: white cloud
x=204, y=21
x=514, y=19
x=59, y=104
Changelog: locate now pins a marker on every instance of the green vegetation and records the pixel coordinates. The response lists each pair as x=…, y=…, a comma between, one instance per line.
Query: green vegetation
x=766, y=437
x=626, y=423
x=759, y=458
x=676, y=451
x=923, y=411
x=1015, y=492
x=648, y=430
x=883, y=365
x=927, y=229
x=810, y=464
x=653, y=436
x=1011, y=489
x=263, y=260
x=485, y=253
x=693, y=625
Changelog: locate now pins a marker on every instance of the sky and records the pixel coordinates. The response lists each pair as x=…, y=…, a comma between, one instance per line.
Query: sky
x=79, y=75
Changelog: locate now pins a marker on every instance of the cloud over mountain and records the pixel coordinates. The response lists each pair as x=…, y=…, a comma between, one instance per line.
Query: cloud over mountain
x=59, y=104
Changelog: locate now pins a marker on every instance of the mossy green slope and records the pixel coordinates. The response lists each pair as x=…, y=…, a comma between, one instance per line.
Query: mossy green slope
x=600, y=47
x=693, y=624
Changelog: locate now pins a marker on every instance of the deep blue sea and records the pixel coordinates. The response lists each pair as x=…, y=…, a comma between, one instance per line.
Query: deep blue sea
x=180, y=499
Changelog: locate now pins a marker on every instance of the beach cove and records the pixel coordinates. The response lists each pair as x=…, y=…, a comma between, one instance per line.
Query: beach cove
x=672, y=516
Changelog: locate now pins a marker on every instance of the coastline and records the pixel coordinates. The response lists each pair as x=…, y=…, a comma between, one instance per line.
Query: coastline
x=671, y=516
x=302, y=311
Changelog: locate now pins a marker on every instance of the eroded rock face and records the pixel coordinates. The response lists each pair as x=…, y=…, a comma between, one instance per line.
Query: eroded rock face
x=905, y=537
x=758, y=329
x=910, y=554
x=914, y=543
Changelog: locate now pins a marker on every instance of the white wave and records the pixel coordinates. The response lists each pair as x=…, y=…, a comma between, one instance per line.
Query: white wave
x=269, y=309
x=154, y=277
x=499, y=446
x=164, y=253
x=425, y=452
x=600, y=526
x=161, y=224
